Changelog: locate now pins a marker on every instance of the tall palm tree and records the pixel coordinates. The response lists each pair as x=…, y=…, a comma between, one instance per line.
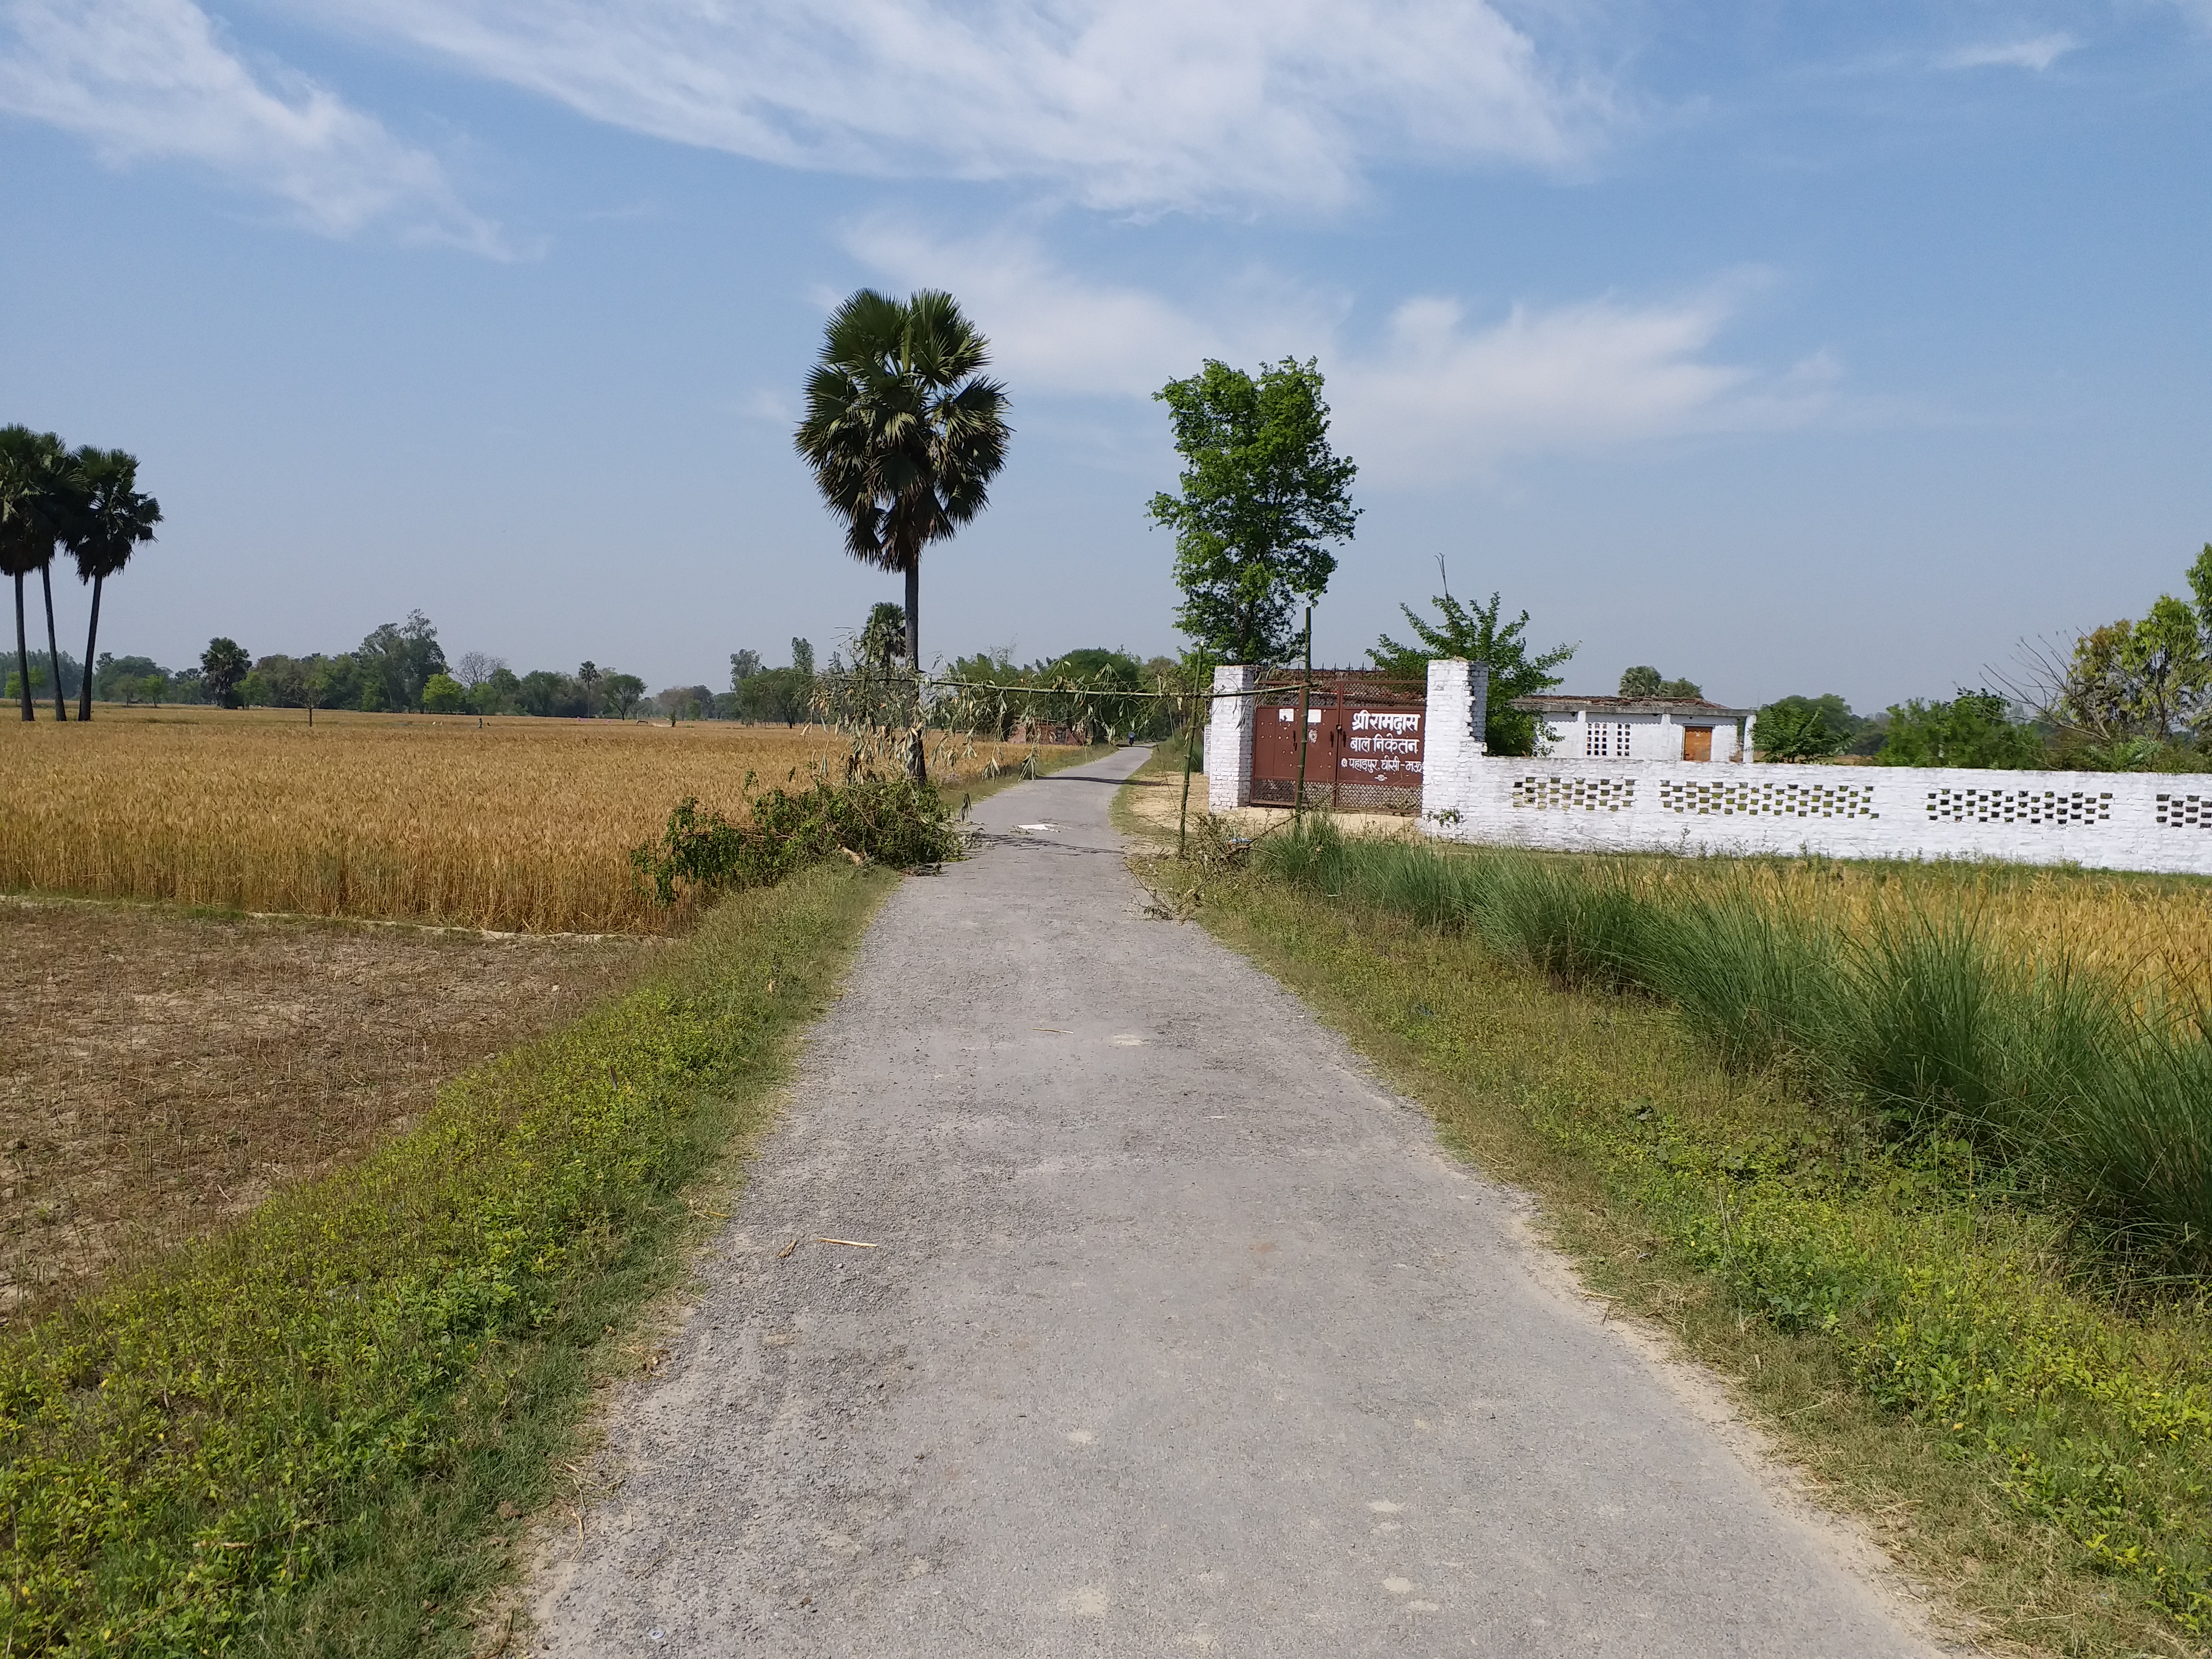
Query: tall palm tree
x=33, y=478
x=65, y=507
x=113, y=519
x=904, y=435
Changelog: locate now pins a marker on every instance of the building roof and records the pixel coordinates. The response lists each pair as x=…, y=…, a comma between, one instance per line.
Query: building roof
x=1692, y=707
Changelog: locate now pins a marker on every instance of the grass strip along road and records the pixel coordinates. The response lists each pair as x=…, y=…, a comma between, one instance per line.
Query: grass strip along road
x=1940, y=1334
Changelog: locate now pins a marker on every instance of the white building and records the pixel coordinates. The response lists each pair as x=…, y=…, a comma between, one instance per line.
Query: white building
x=1638, y=728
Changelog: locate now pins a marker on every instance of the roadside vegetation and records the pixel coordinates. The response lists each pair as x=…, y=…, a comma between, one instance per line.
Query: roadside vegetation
x=1930, y=1184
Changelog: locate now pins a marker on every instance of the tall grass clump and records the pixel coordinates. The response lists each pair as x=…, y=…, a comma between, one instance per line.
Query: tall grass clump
x=2093, y=1091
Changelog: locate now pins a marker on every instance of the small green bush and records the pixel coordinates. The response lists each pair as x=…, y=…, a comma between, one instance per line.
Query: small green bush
x=881, y=820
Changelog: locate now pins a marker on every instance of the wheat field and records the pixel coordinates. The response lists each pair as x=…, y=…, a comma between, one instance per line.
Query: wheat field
x=2151, y=932
x=512, y=824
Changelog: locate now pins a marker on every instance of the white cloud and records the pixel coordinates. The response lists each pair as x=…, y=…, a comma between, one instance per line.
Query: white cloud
x=1441, y=397
x=150, y=79
x=1050, y=329
x=2039, y=54
x=1436, y=400
x=1138, y=104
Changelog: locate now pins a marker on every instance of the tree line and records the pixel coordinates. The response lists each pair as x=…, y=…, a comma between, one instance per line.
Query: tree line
x=2132, y=695
x=54, y=500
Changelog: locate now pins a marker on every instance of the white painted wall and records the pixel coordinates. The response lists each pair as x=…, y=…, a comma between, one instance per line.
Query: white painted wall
x=1228, y=739
x=1453, y=743
x=2126, y=821
x=1651, y=737
x=1654, y=736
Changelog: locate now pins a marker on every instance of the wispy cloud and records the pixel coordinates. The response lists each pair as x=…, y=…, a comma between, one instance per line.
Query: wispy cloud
x=152, y=80
x=2037, y=53
x=1439, y=396
x=1126, y=105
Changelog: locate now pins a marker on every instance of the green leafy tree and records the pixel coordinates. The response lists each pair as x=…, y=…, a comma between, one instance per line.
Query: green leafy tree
x=882, y=639
x=113, y=521
x=2150, y=679
x=802, y=657
x=904, y=435
x=222, y=665
x=589, y=677
x=1474, y=632
x=1975, y=728
x=1262, y=496
x=442, y=695
x=397, y=660
x=1799, y=728
x=621, y=693
x=336, y=682
x=500, y=691
x=551, y=695
x=744, y=665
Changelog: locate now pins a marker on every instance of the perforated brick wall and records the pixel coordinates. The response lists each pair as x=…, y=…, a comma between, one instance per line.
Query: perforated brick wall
x=2104, y=821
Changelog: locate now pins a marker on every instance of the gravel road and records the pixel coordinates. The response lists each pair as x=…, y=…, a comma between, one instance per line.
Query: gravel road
x=1179, y=1335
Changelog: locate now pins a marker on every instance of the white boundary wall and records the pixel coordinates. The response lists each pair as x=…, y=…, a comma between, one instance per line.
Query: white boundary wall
x=2103, y=820
x=1228, y=739
x=2108, y=821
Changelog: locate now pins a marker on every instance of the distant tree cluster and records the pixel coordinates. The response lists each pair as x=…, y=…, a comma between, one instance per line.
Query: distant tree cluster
x=2134, y=695
x=1088, y=691
x=1645, y=681
x=401, y=668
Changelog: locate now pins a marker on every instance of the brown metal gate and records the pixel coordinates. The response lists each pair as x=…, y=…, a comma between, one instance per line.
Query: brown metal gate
x=1363, y=742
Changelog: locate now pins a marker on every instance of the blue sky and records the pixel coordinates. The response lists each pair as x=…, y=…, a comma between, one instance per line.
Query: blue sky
x=1791, y=347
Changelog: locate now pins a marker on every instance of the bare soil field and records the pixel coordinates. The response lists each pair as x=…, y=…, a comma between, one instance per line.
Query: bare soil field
x=1155, y=802
x=164, y=1072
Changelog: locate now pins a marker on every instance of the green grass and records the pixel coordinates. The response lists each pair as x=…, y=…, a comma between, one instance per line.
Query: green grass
x=2098, y=1100
x=1910, y=1308
x=298, y=1437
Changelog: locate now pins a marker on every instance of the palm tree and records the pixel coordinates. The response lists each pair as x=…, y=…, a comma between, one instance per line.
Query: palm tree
x=34, y=475
x=65, y=503
x=113, y=520
x=904, y=436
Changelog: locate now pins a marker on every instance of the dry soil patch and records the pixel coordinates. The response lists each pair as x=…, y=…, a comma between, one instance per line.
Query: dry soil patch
x=163, y=1073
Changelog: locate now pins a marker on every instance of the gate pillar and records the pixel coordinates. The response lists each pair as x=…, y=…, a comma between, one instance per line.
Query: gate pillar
x=1459, y=708
x=1229, y=740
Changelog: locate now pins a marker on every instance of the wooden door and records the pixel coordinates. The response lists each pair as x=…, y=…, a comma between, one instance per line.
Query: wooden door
x=1697, y=743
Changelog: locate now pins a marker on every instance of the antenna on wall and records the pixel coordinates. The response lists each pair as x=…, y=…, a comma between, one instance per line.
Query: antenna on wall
x=1443, y=578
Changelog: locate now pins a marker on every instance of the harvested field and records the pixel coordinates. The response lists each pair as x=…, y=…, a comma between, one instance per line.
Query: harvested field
x=510, y=823
x=164, y=1072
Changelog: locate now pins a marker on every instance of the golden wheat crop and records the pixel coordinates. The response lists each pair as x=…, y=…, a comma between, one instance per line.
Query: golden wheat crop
x=2149, y=931
x=515, y=824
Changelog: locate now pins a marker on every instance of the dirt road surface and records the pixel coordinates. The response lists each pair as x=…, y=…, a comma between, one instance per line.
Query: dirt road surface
x=1179, y=1335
